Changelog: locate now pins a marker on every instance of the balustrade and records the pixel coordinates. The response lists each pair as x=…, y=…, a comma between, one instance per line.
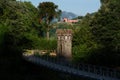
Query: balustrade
x=60, y=64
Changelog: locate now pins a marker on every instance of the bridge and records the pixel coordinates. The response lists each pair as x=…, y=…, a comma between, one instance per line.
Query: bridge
x=91, y=71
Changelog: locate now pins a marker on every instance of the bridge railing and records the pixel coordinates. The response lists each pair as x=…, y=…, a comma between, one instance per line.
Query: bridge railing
x=103, y=71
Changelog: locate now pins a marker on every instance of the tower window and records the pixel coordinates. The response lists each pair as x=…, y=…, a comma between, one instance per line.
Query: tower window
x=65, y=37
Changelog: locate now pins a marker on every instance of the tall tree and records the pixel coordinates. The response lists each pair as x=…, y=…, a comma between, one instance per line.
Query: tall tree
x=47, y=12
x=106, y=28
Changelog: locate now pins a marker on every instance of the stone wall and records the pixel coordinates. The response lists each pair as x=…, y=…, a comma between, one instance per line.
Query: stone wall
x=64, y=43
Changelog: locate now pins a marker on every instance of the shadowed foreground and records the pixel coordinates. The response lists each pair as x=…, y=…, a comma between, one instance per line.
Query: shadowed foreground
x=18, y=69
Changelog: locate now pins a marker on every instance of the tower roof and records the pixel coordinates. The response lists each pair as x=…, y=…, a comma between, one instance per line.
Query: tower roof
x=64, y=31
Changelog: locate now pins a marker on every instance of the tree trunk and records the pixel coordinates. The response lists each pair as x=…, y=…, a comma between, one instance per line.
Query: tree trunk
x=48, y=29
x=47, y=35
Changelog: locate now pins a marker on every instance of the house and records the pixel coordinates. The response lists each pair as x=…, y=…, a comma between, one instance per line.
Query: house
x=69, y=20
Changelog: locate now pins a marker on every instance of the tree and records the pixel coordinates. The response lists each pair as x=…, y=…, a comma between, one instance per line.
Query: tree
x=106, y=29
x=19, y=19
x=106, y=26
x=47, y=12
x=83, y=43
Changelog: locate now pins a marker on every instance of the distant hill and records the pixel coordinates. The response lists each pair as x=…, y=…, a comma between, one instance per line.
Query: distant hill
x=69, y=15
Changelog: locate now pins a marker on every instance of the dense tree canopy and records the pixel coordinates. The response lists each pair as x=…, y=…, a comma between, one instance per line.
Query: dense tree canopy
x=17, y=20
x=98, y=38
x=106, y=25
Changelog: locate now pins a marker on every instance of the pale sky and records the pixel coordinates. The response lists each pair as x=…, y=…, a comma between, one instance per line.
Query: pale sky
x=79, y=7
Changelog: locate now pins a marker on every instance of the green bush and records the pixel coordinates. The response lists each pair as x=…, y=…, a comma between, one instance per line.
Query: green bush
x=83, y=52
x=45, y=44
x=83, y=44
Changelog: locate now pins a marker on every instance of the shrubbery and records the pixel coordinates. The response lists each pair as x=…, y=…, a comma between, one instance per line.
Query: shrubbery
x=83, y=44
x=45, y=44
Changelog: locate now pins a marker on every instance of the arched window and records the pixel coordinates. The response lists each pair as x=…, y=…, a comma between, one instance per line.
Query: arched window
x=69, y=37
x=66, y=38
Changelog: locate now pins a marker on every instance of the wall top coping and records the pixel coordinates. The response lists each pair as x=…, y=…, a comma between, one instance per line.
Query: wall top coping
x=63, y=31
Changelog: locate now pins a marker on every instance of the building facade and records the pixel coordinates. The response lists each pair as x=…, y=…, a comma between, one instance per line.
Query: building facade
x=69, y=20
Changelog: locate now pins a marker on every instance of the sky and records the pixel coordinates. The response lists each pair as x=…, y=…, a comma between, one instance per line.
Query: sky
x=79, y=7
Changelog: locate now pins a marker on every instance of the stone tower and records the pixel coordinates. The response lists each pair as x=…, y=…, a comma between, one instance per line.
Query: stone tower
x=64, y=43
